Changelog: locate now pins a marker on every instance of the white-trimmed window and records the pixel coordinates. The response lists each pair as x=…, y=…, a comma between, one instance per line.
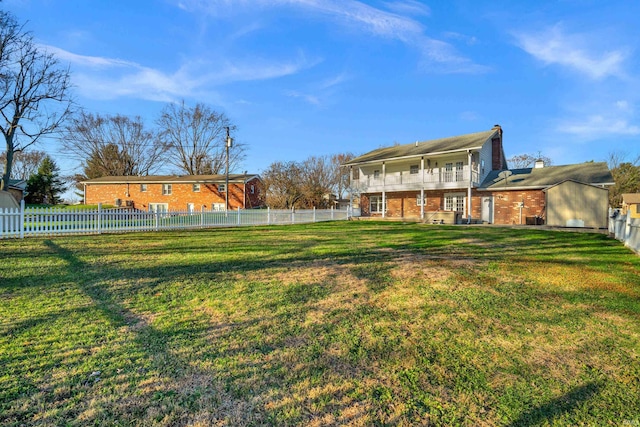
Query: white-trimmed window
x=454, y=202
x=376, y=174
x=253, y=189
x=159, y=207
x=143, y=188
x=196, y=188
x=448, y=172
x=222, y=188
x=414, y=169
x=217, y=206
x=376, y=204
x=166, y=189
x=420, y=201
x=459, y=170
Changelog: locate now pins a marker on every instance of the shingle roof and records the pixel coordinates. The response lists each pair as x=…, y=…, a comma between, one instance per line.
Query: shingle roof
x=168, y=179
x=435, y=146
x=631, y=198
x=588, y=173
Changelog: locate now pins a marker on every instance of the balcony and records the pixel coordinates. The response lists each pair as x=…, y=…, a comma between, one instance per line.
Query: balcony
x=429, y=179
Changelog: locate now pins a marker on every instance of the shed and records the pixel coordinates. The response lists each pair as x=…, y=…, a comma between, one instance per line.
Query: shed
x=7, y=201
x=576, y=204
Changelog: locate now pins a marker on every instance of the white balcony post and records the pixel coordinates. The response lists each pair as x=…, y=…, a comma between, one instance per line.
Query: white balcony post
x=469, y=189
x=384, y=204
x=384, y=174
x=422, y=203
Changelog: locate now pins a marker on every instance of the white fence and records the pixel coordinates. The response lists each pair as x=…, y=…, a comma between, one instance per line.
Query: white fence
x=626, y=229
x=25, y=222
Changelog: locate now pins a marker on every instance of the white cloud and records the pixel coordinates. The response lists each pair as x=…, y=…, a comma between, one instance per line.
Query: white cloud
x=357, y=15
x=107, y=78
x=409, y=7
x=597, y=126
x=554, y=46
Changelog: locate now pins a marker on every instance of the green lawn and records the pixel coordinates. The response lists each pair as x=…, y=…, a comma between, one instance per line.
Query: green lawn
x=349, y=323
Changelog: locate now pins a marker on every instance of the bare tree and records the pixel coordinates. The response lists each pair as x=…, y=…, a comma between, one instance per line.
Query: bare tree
x=317, y=179
x=34, y=91
x=283, y=185
x=25, y=163
x=195, y=138
x=340, y=181
x=521, y=161
x=113, y=145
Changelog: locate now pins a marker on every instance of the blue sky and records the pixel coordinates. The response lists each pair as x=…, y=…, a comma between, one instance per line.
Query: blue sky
x=315, y=77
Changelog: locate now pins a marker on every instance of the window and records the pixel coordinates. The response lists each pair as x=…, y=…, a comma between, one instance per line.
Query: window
x=196, y=188
x=454, y=202
x=420, y=201
x=253, y=189
x=376, y=174
x=217, y=206
x=158, y=207
x=376, y=204
x=482, y=166
x=448, y=172
x=143, y=188
x=459, y=169
x=190, y=207
x=413, y=169
x=356, y=173
x=166, y=189
x=222, y=188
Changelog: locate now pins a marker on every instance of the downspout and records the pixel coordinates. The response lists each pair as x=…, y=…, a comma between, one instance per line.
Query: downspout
x=469, y=189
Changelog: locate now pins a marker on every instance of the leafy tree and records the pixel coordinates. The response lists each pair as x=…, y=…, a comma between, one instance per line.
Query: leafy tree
x=25, y=163
x=521, y=161
x=113, y=145
x=626, y=175
x=34, y=91
x=195, y=139
x=45, y=185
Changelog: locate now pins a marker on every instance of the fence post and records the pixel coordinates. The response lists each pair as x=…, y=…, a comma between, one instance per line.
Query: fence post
x=22, y=219
x=268, y=215
x=293, y=216
x=331, y=212
x=157, y=218
x=314, y=214
x=238, y=215
x=99, y=218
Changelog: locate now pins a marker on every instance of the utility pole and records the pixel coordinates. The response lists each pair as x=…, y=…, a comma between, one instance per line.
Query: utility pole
x=226, y=187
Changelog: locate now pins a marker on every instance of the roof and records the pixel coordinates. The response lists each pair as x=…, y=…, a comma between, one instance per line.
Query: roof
x=435, y=146
x=587, y=173
x=19, y=184
x=170, y=179
x=631, y=198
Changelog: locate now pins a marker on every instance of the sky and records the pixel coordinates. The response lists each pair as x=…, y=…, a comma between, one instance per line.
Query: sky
x=304, y=78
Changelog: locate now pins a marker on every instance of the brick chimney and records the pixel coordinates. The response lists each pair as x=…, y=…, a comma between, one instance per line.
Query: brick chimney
x=497, y=160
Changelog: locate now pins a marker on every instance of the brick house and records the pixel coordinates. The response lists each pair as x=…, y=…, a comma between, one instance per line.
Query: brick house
x=175, y=193
x=457, y=180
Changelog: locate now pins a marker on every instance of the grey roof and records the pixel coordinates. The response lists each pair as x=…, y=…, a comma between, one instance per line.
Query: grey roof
x=168, y=179
x=435, y=146
x=588, y=173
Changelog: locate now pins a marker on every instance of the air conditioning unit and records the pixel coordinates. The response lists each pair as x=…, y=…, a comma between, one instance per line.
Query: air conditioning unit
x=118, y=202
x=129, y=203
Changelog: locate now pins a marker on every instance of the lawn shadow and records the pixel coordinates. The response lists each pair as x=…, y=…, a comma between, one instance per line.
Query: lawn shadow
x=558, y=406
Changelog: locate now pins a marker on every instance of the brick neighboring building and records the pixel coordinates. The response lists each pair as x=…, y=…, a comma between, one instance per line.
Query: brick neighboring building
x=463, y=179
x=175, y=193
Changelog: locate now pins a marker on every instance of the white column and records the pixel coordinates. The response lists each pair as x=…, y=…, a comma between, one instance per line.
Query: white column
x=384, y=203
x=469, y=190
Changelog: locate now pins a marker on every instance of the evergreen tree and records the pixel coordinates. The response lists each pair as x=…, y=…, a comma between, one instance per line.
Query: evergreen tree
x=45, y=186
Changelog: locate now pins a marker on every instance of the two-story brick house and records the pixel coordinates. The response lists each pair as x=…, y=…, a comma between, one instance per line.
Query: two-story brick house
x=460, y=179
x=175, y=193
x=429, y=179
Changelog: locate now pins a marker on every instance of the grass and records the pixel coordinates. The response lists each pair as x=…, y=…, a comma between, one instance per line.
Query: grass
x=351, y=323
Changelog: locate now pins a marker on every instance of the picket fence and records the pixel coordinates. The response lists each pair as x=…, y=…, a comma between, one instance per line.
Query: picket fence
x=26, y=222
x=625, y=229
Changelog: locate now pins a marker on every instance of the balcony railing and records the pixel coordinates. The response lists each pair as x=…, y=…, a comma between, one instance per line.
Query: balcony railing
x=428, y=178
